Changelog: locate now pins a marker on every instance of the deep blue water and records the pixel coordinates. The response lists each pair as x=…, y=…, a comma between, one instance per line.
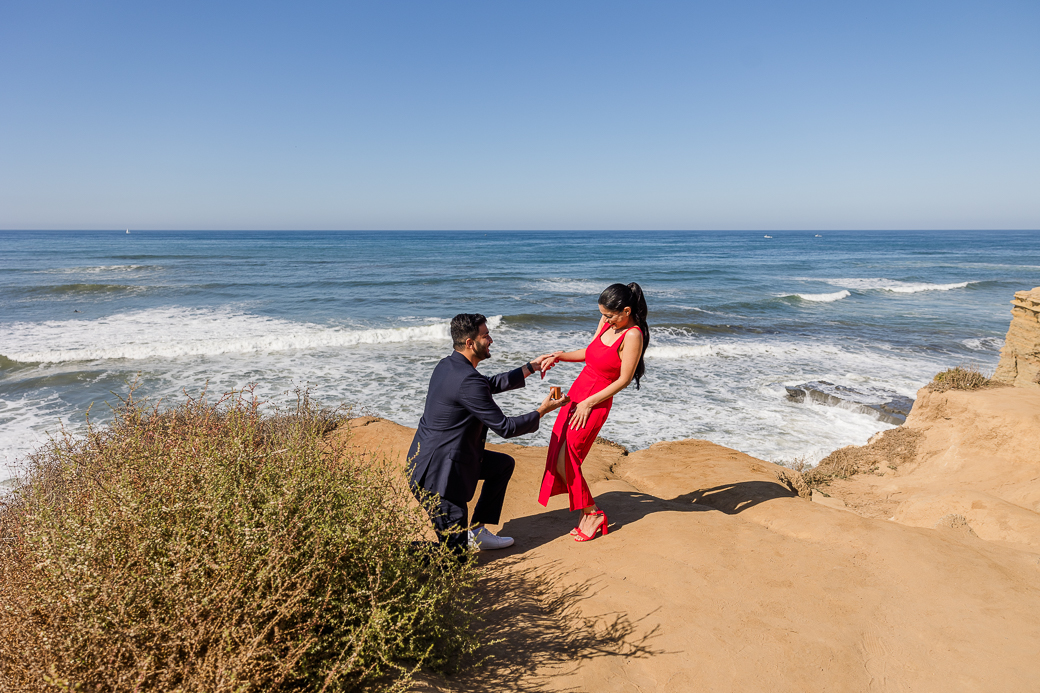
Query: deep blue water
x=361, y=318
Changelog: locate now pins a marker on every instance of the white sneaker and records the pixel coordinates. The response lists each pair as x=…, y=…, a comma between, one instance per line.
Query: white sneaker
x=484, y=540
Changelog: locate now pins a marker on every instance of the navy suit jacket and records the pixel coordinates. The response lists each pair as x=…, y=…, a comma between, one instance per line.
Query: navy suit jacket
x=449, y=441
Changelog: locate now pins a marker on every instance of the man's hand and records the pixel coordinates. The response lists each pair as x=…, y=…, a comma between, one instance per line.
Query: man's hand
x=542, y=363
x=549, y=404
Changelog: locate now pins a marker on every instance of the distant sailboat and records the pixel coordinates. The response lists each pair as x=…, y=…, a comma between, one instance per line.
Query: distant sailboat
x=128, y=230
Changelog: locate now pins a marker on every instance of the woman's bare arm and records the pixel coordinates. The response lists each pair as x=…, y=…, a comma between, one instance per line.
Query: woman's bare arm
x=570, y=356
x=575, y=356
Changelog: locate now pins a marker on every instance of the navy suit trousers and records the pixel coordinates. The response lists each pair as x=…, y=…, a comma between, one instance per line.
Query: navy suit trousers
x=450, y=517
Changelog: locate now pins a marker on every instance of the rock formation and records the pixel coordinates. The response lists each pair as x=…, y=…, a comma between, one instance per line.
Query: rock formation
x=885, y=405
x=1020, y=357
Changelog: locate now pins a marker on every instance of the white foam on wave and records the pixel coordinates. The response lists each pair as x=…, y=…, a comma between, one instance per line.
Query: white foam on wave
x=731, y=392
x=983, y=343
x=736, y=349
x=894, y=285
x=727, y=390
x=699, y=310
x=100, y=269
x=23, y=424
x=819, y=298
x=563, y=285
x=165, y=333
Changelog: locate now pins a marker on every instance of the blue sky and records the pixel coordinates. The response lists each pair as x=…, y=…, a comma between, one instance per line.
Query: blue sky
x=520, y=115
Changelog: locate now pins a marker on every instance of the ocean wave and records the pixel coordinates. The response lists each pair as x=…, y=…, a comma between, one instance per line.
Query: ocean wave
x=983, y=343
x=727, y=391
x=820, y=298
x=550, y=321
x=176, y=332
x=699, y=310
x=81, y=289
x=653, y=293
x=733, y=349
x=23, y=422
x=100, y=269
x=561, y=285
x=894, y=285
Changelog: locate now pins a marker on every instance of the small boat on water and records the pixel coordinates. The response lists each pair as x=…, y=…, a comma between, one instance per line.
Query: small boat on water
x=819, y=236
x=766, y=236
x=128, y=230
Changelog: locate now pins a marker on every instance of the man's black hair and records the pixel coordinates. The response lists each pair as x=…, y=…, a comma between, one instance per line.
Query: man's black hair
x=465, y=326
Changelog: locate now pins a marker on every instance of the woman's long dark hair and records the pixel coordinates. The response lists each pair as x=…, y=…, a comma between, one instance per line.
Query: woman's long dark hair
x=616, y=298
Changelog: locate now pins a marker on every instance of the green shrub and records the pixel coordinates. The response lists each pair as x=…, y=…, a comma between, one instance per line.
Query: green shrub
x=211, y=547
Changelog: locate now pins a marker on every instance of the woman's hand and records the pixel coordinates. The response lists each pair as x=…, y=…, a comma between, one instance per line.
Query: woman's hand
x=549, y=360
x=580, y=415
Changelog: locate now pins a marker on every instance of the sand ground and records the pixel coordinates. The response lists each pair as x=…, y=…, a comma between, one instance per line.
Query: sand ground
x=716, y=576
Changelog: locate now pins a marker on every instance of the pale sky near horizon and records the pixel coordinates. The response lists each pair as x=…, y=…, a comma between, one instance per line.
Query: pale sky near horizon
x=520, y=115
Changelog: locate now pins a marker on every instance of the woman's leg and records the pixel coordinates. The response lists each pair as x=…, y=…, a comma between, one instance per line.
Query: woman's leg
x=553, y=481
x=587, y=523
x=578, y=445
x=561, y=472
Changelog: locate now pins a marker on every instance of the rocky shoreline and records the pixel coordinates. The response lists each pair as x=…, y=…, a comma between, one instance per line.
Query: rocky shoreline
x=884, y=405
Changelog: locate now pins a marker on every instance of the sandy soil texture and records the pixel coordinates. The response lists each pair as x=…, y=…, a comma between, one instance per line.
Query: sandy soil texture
x=717, y=577
x=977, y=457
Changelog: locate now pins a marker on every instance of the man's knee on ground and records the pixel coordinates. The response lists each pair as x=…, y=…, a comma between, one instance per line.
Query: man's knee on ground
x=497, y=465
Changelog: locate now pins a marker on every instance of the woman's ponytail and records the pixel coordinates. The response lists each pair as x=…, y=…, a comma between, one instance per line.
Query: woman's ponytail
x=617, y=297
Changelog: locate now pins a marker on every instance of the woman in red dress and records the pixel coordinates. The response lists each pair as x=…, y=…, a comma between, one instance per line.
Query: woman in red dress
x=612, y=359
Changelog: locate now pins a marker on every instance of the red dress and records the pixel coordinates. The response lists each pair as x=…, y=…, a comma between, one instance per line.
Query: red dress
x=602, y=367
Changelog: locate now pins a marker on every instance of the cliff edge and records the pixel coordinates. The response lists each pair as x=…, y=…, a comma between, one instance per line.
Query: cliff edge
x=1020, y=358
x=976, y=456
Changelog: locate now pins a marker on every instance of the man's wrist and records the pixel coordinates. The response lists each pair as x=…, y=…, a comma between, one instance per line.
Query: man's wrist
x=529, y=367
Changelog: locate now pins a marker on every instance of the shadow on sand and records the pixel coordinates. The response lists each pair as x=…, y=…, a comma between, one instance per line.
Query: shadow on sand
x=626, y=507
x=538, y=632
x=533, y=613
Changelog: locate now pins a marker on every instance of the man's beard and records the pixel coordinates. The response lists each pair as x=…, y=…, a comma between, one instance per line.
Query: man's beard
x=482, y=352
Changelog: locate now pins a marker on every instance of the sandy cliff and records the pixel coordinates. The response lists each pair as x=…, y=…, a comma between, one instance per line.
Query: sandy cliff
x=978, y=456
x=1020, y=357
x=717, y=577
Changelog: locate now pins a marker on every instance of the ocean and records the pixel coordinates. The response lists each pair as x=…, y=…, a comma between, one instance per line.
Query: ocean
x=361, y=318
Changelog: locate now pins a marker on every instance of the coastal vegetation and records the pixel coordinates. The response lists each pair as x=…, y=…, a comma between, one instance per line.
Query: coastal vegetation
x=892, y=449
x=962, y=377
x=211, y=546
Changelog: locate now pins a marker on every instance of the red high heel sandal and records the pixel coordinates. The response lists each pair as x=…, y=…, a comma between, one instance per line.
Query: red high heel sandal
x=581, y=536
x=575, y=530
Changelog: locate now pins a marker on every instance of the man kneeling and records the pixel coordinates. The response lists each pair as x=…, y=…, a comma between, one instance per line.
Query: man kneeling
x=447, y=455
